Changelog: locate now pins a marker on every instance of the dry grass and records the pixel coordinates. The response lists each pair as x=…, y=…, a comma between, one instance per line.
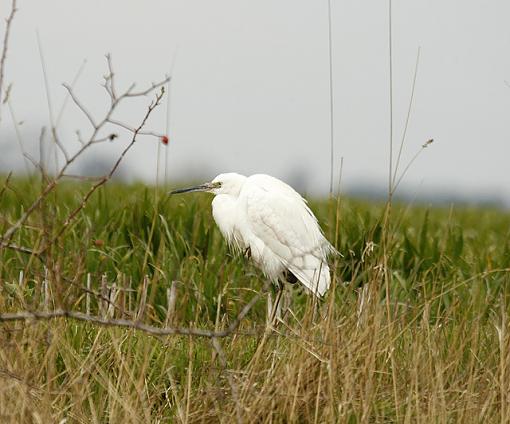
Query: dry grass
x=414, y=330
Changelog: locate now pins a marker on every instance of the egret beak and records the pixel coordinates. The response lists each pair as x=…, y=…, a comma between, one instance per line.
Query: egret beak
x=201, y=187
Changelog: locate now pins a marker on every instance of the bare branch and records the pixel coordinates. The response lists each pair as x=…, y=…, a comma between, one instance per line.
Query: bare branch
x=408, y=117
x=153, y=86
x=7, y=94
x=404, y=172
x=35, y=163
x=107, y=177
x=73, y=83
x=21, y=249
x=110, y=137
x=80, y=105
x=85, y=144
x=136, y=325
x=5, y=47
x=131, y=129
x=59, y=144
x=111, y=79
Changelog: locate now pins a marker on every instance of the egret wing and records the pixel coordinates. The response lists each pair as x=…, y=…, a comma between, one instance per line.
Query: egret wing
x=285, y=232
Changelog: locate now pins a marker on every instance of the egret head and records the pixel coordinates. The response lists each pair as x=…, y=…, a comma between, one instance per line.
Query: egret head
x=229, y=183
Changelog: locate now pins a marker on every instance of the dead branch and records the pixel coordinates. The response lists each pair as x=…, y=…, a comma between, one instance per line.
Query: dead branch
x=110, y=81
x=133, y=130
x=21, y=249
x=148, y=90
x=84, y=110
x=107, y=177
x=135, y=325
x=6, y=45
x=70, y=159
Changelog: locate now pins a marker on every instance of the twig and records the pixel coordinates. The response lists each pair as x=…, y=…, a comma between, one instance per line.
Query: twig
x=107, y=177
x=66, y=98
x=127, y=127
x=49, y=102
x=390, y=54
x=17, y=131
x=404, y=172
x=20, y=249
x=135, y=325
x=6, y=45
x=81, y=106
x=148, y=90
x=110, y=79
x=404, y=134
x=51, y=184
x=331, y=103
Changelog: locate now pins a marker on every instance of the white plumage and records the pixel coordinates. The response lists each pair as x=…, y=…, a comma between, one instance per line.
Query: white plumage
x=268, y=217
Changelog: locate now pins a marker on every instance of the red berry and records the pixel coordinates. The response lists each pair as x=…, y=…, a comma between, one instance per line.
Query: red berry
x=99, y=243
x=164, y=139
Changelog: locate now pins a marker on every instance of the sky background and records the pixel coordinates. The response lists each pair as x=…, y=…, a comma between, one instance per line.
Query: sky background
x=250, y=88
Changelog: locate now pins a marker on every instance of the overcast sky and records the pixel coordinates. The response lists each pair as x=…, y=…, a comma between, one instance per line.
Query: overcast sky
x=250, y=86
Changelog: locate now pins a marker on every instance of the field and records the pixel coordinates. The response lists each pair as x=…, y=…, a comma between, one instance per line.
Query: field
x=415, y=328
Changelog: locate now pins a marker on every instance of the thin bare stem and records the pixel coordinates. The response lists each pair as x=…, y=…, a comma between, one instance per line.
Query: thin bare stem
x=5, y=45
x=404, y=172
x=20, y=249
x=404, y=134
x=130, y=93
x=111, y=78
x=48, y=99
x=390, y=47
x=331, y=102
x=66, y=99
x=81, y=106
x=17, y=131
x=132, y=130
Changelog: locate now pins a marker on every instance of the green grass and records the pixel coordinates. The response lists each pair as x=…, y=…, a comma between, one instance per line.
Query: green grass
x=415, y=328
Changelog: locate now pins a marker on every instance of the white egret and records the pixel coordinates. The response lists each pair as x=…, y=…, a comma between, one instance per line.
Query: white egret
x=269, y=220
